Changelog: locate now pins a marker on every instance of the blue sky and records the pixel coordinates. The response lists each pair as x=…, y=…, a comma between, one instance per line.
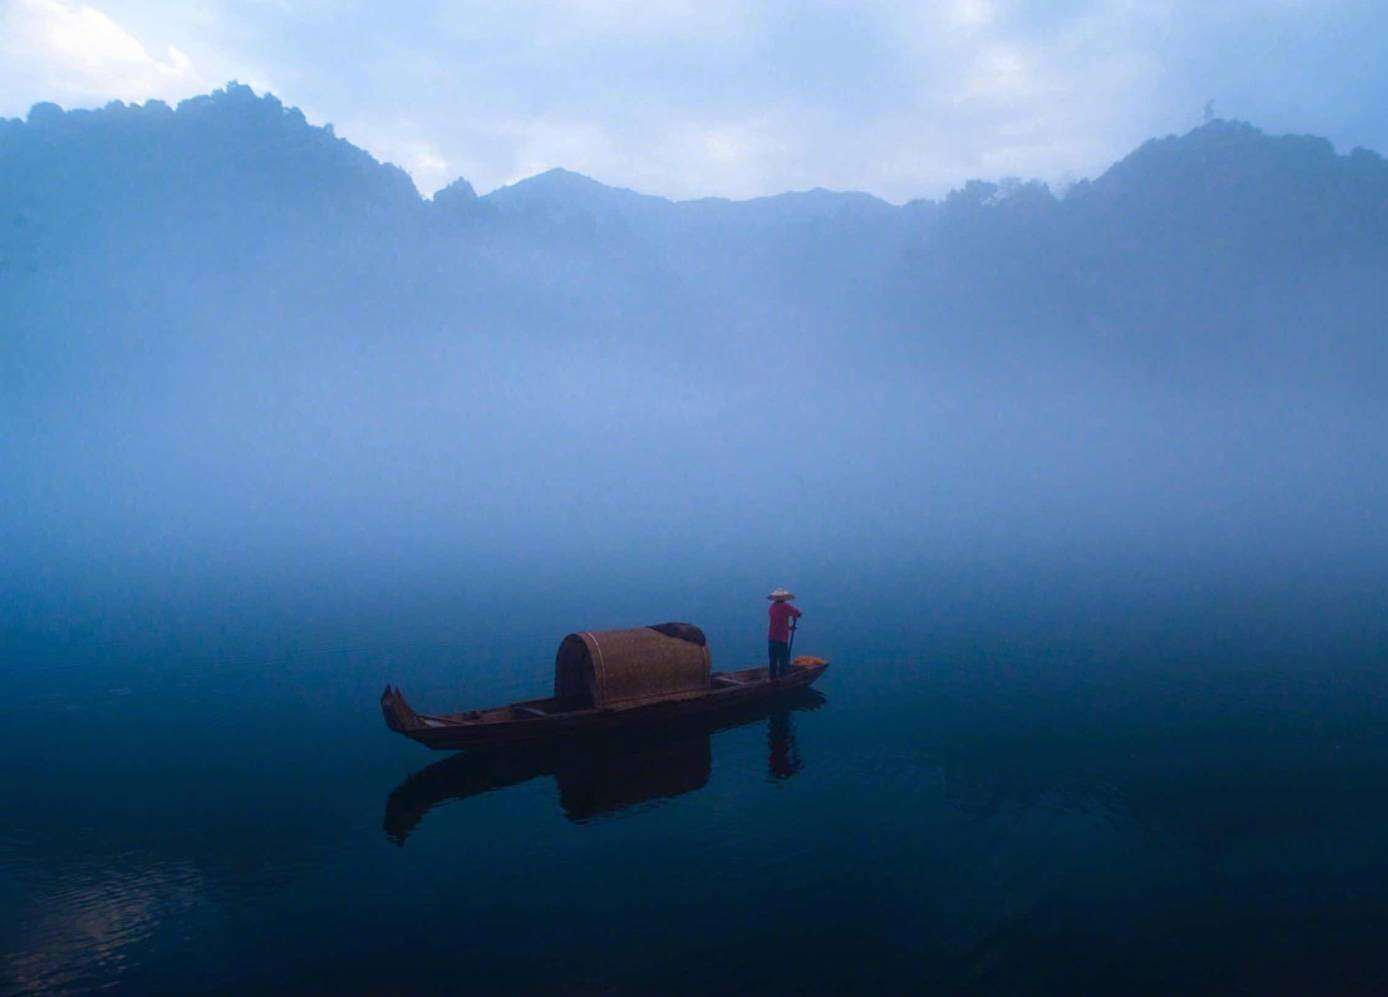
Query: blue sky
x=714, y=97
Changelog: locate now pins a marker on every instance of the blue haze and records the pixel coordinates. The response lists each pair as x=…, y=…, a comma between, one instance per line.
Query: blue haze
x=240, y=352
x=1100, y=470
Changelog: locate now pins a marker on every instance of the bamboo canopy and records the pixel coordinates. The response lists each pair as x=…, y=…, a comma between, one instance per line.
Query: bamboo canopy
x=622, y=667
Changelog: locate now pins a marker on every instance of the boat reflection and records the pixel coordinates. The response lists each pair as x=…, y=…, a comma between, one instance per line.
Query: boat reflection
x=601, y=775
x=783, y=759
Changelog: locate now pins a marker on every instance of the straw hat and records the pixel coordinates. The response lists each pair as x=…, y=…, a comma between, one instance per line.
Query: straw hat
x=781, y=595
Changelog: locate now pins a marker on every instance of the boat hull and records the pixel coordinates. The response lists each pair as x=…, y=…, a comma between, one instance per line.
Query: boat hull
x=531, y=722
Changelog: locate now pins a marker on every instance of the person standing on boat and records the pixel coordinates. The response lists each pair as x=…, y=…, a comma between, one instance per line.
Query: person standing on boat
x=778, y=638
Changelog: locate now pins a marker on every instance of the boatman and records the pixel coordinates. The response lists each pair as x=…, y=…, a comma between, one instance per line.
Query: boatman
x=778, y=638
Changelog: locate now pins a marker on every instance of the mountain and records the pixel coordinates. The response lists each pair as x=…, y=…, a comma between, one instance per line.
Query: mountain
x=235, y=171
x=228, y=331
x=232, y=162
x=563, y=190
x=1142, y=248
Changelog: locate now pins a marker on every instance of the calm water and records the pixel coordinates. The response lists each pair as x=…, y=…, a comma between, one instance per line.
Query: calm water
x=1158, y=803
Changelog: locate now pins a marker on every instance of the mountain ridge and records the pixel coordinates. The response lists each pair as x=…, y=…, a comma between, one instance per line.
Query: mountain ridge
x=237, y=108
x=225, y=328
x=231, y=187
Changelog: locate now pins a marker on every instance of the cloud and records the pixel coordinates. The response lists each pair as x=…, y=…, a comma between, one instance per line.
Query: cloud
x=732, y=97
x=74, y=52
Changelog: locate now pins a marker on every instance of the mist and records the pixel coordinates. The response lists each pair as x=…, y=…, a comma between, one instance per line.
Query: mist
x=247, y=369
x=1080, y=491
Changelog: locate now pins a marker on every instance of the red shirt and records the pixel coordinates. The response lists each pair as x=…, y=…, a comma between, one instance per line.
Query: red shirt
x=781, y=615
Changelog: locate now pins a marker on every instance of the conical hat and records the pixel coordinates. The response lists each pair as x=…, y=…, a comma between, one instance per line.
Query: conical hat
x=781, y=595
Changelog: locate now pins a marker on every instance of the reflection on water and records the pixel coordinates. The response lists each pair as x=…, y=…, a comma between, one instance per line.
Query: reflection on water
x=81, y=935
x=784, y=754
x=604, y=774
x=950, y=825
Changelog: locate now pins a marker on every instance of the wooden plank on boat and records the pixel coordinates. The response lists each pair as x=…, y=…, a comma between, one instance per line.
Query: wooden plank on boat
x=530, y=711
x=728, y=680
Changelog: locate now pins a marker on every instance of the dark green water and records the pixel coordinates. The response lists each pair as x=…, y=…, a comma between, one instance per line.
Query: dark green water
x=1156, y=803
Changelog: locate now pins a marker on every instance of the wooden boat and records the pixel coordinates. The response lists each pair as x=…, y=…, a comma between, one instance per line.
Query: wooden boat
x=600, y=774
x=607, y=680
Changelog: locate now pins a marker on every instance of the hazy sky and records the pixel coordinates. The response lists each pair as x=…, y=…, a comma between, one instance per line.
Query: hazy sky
x=697, y=97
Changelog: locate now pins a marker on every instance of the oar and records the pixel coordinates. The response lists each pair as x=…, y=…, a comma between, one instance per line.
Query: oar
x=790, y=646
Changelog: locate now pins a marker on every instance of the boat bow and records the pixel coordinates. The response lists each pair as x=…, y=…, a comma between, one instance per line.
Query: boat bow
x=399, y=716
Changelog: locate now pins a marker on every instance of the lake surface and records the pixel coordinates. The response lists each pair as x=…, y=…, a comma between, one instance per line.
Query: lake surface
x=1161, y=802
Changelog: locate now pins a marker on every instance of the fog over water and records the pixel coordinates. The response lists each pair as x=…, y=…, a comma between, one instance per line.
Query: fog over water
x=238, y=347
x=275, y=430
